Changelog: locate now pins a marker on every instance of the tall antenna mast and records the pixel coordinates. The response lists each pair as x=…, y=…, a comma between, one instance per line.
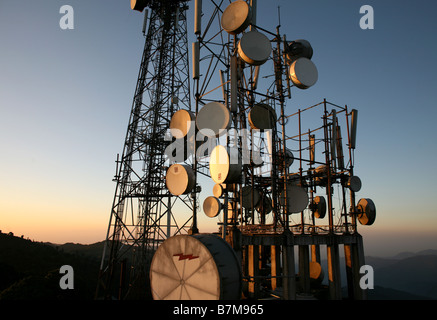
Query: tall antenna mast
x=142, y=214
x=279, y=16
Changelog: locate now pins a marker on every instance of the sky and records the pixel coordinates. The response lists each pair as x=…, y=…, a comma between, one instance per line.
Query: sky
x=65, y=99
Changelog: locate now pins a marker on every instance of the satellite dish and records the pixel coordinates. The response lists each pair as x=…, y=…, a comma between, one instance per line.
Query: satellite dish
x=297, y=199
x=236, y=17
x=318, y=207
x=303, y=73
x=212, y=207
x=195, y=267
x=265, y=205
x=248, y=195
x=354, y=183
x=139, y=5
x=180, y=179
x=254, y=48
x=218, y=190
x=213, y=119
x=181, y=123
x=289, y=158
x=224, y=166
x=334, y=134
x=312, y=148
x=316, y=272
x=299, y=49
x=262, y=116
x=366, y=212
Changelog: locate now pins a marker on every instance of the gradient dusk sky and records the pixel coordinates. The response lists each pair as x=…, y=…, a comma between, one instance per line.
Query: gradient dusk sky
x=65, y=99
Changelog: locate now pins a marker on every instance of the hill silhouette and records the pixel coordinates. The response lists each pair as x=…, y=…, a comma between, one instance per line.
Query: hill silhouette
x=409, y=254
x=29, y=270
x=91, y=251
x=416, y=274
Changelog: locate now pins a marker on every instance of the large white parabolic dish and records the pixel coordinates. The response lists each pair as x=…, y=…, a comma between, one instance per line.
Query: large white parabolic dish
x=195, y=267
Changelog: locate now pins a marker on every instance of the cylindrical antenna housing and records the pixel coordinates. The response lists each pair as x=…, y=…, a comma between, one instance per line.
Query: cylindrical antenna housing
x=222, y=81
x=234, y=84
x=312, y=148
x=334, y=134
x=354, y=113
x=197, y=16
x=196, y=53
x=176, y=19
x=146, y=14
x=340, y=157
x=254, y=7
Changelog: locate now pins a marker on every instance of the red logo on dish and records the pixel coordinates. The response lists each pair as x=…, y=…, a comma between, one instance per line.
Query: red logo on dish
x=183, y=257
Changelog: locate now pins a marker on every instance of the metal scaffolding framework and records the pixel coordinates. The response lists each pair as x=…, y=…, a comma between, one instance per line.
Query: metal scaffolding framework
x=141, y=215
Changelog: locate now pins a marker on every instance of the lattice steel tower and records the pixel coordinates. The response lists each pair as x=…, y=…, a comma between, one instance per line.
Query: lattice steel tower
x=141, y=216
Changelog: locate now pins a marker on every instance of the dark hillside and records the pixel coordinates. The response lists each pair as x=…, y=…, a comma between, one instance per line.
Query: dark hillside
x=416, y=274
x=93, y=251
x=30, y=270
